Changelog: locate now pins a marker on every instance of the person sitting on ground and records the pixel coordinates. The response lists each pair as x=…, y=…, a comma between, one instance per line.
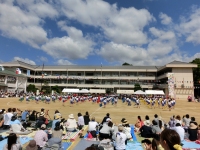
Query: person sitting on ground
x=25, y=113
x=41, y=136
x=14, y=111
x=57, y=132
x=33, y=116
x=71, y=124
x=170, y=140
x=106, y=130
x=120, y=139
x=155, y=128
x=53, y=144
x=57, y=118
x=7, y=119
x=146, y=131
x=41, y=119
x=106, y=117
x=172, y=122
x=13, y=143
x=178, y=119
x=57, y=113
x=192, y=131
x=32, y=145
x=147, y=121
x=193, y=121
x=92, y=127
x=179, y=129
x=80, y=121
x=127, y=129
x=86, y=118
x=156, y=119
x=139, y=123
x=186, y=121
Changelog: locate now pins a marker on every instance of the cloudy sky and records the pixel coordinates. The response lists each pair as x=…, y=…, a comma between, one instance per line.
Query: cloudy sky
x=91, y=32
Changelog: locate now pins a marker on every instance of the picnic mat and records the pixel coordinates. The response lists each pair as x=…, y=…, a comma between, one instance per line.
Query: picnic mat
x=189, y=144
x=66, y=145
x=134, y=145
x=23, y=140
x=83, y=144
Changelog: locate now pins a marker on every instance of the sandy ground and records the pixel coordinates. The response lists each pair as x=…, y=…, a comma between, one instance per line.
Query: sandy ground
x=116, y=112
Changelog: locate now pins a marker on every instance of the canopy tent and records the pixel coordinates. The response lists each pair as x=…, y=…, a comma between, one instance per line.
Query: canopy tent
x=97, y=91
x=125, y=91
x=70, y=90
x=139, y=92
x=155, y=92
x=83, y=91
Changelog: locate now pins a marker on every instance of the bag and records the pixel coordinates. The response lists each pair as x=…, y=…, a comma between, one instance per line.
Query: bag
x=46, y=121
x=89, y=136
x=94, y=135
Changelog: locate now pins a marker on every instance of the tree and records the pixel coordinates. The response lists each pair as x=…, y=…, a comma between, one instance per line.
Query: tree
x=56, y=89
x=196, y=71
x=31, y=88
x=126, y=64
x=137, y=87
x=46, y=88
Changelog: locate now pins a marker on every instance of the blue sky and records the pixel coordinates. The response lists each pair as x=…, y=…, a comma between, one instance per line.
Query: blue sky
x=91, y=32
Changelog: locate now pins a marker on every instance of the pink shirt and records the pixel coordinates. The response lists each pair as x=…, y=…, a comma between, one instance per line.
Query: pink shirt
x=40, y=138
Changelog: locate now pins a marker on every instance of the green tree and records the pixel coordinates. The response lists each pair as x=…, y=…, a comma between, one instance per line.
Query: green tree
x=31, y=88
x=56, y=89
x=137, y=87
x=196, y=71
x=126, y=64
x=46, y=88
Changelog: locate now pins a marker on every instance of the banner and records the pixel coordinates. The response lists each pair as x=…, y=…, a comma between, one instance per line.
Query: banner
x=28, y=72
x=171, y=83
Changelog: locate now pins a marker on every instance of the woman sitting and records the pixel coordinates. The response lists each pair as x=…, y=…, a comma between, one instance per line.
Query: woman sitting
x=33, y=116
x=71, y=124
x=80, y=121
x=139, y=124
x=106, y=130
x=57, y=132
x=86, y=118
x=13, y=143
x=127, y=129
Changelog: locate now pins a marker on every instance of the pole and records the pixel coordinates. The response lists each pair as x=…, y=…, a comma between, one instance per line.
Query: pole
x=42, y=76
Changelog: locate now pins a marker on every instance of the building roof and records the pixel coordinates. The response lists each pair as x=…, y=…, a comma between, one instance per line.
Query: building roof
x=178, y=62
x=10, y=73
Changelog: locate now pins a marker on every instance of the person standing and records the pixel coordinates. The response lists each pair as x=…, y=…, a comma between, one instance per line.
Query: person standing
x=120, y=139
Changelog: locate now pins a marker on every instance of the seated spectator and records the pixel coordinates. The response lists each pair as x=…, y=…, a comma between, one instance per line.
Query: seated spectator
x=32, y=145
x=146, y=131
x=139, y=123
x=155, y=128
x=178, y=120
x=106, y=117
x=156, y=119
x=41, y=119
x=14, y=111
x=193, y=121
x=71, y=124
x=41, y=136
x=192, y=131
x=186, y=121
x=57, y=132
x=57, y=113
x=179, y=129
x=80, y=121
x=57, y=118
x=198, y=133
x=170, y=140
x=86, y=118
x=120, y=139
x=7, y=119
x=33, y=116
x=24, y=115
x=13, y=143
x=147, y=121
x=127, y=129
x=106, y=130
x=172, y=122
x=92, y=126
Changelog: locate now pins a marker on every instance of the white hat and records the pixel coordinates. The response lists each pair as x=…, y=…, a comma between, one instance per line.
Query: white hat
x=108, y=119
x=71, y=116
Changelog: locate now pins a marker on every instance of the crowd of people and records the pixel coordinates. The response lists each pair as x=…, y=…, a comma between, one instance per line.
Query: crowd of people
x=166, y=135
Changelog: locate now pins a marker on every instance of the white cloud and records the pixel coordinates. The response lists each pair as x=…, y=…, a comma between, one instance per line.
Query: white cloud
x=123, y=25
x=43, y=59
x=21, y=25
x=73, y=46
x=26, y=60
x=63, y=62
x=190, y=27
x=165, y=19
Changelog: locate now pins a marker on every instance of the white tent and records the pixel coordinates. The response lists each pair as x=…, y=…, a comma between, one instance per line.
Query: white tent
x=139, y=92
x=125, y=91
x=65, y=90
x=97, y=91
x=155, y=92
x=83, y=91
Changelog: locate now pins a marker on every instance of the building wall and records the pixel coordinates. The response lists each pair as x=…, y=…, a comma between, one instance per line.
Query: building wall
x=184, y=82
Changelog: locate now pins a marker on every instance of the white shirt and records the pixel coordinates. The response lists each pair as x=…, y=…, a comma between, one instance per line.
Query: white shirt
x=7, y=118
x=81, y=121
x=92, y=126
x=120, y=139
x=180, y=131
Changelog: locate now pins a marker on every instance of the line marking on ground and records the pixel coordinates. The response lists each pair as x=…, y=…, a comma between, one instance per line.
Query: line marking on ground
x=95, y=111
x=8, y=103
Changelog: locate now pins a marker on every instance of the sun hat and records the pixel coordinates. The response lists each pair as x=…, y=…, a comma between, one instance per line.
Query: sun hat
x=71, y=116
x=43, y=126
x=125, y=122
x=32, y=145
x=192, y=126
